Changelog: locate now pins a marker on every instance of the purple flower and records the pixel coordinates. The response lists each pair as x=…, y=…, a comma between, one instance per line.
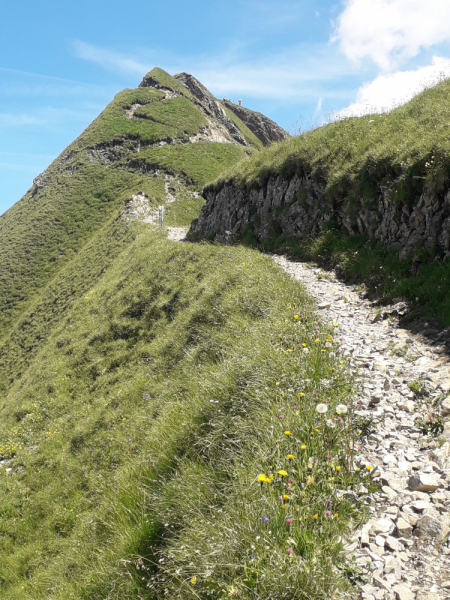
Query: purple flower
x=315, y=420
x=251, y=555
x=265, y=519
x=327, y=513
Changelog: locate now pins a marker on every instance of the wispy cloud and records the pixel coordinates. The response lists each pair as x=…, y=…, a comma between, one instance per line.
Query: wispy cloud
x=294, y=74
x=391, y=31
x=390, y=90
x=109, y=59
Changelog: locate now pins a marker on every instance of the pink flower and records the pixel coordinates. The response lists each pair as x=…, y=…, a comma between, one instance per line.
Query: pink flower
x=289, y=521
x=327, y=513
x=329, y=457
x=290, y=489
x=289, y=551
x=280, y=417
x=339, y=420
x=280, y=497
x=360, y=447
x=291, y=480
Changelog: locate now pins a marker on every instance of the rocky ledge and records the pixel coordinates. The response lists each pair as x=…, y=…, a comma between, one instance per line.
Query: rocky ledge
x=297, y=205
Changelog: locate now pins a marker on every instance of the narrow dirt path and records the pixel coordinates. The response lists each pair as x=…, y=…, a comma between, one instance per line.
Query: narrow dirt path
x=404, y=549
x=401, y=548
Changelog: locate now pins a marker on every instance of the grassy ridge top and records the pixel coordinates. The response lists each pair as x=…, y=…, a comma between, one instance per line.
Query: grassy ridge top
x=118, y=155
x=409, y=145
x=135, y=439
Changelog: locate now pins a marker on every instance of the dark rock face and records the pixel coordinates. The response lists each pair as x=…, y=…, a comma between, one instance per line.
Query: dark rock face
x=210, y=105
x=266, y=130
x=298, y=205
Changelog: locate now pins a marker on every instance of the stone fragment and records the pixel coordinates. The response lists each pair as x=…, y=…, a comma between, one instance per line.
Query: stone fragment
x=380, y=582
x=428, y=596
x=382, y=526
x=404, y=529
x=392, y=543
x=429, y=527
x=420, y=505
x=445, y=408
x=424, y=482
x=403, y=592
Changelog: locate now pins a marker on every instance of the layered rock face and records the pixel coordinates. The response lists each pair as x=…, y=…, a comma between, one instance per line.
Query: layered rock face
x=297, y=205
x=266, y=130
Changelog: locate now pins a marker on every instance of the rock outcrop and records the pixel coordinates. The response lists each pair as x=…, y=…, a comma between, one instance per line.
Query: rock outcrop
x=297, y=205
x=266, y=130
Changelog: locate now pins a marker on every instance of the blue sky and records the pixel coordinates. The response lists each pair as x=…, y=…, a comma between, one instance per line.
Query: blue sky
x=61, y=63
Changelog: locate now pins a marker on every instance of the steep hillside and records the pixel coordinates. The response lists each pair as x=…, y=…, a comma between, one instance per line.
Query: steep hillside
x=380, y=184
x=155, y=145
x=162, y=429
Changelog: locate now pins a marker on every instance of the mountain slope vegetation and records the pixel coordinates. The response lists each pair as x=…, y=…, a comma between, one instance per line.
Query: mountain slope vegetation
x=159, y=429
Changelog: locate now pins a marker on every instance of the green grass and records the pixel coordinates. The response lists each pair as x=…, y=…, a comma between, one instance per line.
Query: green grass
x=137, y=434
x=409, y=146
x=43, y=233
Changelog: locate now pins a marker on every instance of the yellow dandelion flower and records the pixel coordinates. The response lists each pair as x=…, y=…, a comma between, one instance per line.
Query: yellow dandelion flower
x=338, y=468
x=303, y=447
x=283, y=506
x=287, y=433
x=296, y=317
x=285, y=497
x=336, y=516
x=369, y=467
x=301, y=394
x=262, y=478
x=282, y=473
x=194, y=580
x=290, y=456
x=316, y=517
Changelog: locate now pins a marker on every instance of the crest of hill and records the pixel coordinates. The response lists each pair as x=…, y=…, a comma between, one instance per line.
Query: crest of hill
x=160, y=142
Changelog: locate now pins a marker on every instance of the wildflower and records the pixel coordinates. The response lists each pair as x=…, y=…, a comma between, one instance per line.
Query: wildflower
x=297, y=510
x=310, y=481
x=262, y=479
x=280, y=498
x=287, y=433
x=369, y=467
x=341, y=409
x=280, y=416
x=316, y=517
x=285, y=497
x=291, y=480
x=339, y=419
x=282, y=473
x=327, y=513
x=329, y=457
x=289, y=521
x=289, y=551
x=301, y=394
x=321, y=408
x=283, y=505
x=277, y=383
x=338, y=468
x=360, y=447
x=265, y=519
x=336, y=516
x=299, y=519
x=290, y=489
x=296, y=317
x=290, y=457
x=194, y=580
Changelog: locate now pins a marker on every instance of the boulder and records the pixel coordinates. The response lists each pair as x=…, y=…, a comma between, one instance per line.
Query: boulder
x=424, y=482
x=429, y=527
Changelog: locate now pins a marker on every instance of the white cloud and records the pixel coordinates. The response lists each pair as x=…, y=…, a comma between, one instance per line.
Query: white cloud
x=390, y=90
x=388, y=31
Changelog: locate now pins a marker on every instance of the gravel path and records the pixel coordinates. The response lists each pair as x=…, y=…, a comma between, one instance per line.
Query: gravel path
x=403, y=548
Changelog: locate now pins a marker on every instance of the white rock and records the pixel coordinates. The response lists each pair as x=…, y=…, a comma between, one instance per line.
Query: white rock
x=403, y=592
x=429, y=527
x=382, y=526
x=424, y=482
x=404, y=529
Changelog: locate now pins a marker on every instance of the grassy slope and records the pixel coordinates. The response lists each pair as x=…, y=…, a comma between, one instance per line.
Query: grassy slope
x=407, y=149
x=139, y=430
x=46, y=237
x=356, y=155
